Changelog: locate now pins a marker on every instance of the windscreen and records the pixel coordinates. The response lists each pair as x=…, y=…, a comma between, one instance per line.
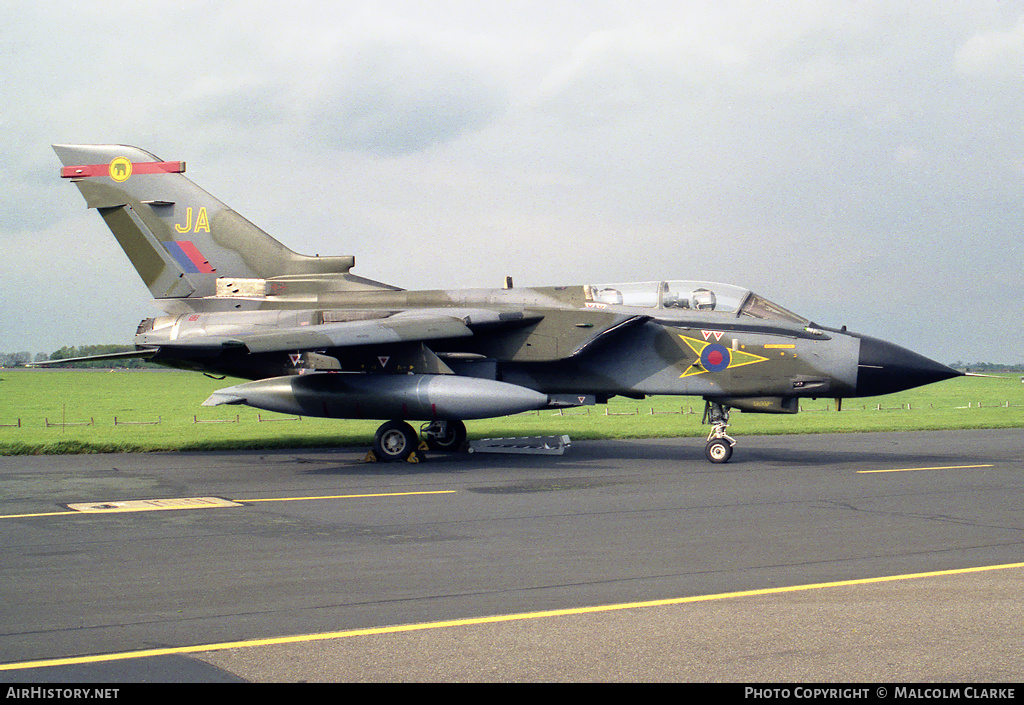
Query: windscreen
x=707, y=297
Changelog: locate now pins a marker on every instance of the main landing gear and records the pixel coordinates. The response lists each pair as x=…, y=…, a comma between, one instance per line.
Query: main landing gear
x=397, y=441
x=444, y=436
x=720, y=443
x=394, y=441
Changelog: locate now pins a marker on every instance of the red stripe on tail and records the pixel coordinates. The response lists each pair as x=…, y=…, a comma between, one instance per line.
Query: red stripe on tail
x=85, y=170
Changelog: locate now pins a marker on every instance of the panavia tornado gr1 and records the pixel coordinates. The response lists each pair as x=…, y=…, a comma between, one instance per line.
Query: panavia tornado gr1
x=316, y=340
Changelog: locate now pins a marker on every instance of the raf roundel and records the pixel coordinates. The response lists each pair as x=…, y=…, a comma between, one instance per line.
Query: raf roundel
x=715, y=358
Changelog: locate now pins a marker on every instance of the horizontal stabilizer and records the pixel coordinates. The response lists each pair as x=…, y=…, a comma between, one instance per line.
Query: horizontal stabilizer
x=223, y=397
x=143, y=354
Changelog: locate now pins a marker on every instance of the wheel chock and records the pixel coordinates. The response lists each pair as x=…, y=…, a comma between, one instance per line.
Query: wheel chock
x=416, y=457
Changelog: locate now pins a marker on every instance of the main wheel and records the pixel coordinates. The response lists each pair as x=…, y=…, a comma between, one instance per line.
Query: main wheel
x=395, y=441
x=444, y=436
x=718, y=450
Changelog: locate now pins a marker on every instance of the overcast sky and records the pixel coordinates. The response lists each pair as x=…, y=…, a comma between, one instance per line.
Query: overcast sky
x=860, y=163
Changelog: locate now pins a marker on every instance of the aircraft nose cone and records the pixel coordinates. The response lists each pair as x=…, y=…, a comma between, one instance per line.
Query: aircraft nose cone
x=884, y=368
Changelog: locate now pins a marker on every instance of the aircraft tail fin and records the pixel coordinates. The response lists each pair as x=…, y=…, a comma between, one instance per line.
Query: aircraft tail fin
x=185, y=243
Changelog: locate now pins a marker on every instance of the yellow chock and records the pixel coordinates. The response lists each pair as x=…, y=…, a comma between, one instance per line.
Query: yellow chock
x=371, y=457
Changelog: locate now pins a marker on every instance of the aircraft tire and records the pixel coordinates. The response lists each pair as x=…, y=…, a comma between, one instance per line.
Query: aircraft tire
x=395, y=441
x=452, y=439
x=718, y=450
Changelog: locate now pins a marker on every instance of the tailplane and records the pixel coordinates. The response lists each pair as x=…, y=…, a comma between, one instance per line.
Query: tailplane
x=182, y=241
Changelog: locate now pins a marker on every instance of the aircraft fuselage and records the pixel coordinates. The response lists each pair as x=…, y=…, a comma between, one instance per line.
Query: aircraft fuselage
x=551, y=340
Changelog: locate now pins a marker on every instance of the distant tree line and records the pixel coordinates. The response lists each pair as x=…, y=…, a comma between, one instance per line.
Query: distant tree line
x=986, y=367
x=17, y=359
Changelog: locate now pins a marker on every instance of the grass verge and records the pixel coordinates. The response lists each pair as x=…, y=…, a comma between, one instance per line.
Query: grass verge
x=85, y=411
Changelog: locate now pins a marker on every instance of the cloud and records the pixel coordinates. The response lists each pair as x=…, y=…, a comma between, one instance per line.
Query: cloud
x=248, y=106
x=391, y=97
x=795, y=147
x=993, y=54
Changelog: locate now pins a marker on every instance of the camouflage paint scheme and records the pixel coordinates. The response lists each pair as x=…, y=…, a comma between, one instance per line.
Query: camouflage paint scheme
x=240, y=303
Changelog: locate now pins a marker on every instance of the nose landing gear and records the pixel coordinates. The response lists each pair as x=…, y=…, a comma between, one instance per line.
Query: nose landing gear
x=444, y=436
x=720, y=444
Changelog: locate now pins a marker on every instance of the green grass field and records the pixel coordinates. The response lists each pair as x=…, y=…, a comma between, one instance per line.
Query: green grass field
x=46, y=404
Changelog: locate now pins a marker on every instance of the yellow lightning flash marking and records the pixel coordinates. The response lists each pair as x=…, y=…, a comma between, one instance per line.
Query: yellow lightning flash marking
x=737, y=358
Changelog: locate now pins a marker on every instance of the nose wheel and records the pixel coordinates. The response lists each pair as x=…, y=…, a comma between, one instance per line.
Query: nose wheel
x=719, y=450
x=720, y=444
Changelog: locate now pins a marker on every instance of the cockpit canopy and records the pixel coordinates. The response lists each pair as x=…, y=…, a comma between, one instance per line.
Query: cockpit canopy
x=702, y=297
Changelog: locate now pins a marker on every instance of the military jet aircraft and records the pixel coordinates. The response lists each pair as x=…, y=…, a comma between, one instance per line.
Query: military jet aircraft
x=317, y=340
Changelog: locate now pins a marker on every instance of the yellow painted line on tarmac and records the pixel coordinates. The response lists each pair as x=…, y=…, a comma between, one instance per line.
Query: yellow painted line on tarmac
x=345, y=496
x=947, y=467
x=150, y=505
x=37, y=514
x=447, y=624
